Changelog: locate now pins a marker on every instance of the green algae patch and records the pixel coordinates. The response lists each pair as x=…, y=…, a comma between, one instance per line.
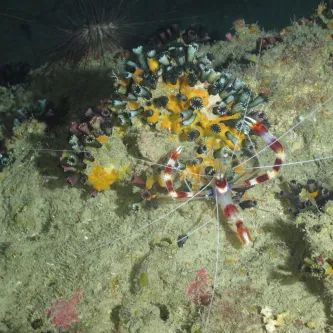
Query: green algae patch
x=143, y=280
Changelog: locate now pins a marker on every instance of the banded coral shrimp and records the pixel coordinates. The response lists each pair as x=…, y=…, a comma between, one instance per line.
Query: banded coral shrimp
x=244, y=291
x=200, y=253
x=141, y=283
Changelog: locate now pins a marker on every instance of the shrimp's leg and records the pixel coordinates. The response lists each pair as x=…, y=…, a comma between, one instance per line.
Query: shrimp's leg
x=224, y=198
x=168, y=180
x=272, y=143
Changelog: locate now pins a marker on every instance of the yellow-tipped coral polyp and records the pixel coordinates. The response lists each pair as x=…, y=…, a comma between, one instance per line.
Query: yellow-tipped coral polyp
x=153, y=64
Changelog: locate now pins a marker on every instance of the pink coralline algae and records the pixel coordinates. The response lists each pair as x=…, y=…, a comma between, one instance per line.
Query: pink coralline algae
x=229, y=36
x=199, y=289
x=62, y=312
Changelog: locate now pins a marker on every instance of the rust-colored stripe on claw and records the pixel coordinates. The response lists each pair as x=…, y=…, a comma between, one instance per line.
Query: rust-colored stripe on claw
x=230, y=210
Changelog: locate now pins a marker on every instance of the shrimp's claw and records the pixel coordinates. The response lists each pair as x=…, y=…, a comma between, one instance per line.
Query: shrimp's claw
x=243, y=233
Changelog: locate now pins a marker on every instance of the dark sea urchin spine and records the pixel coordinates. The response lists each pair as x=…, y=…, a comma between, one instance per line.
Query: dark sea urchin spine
x=97, y=30
x=80, y=30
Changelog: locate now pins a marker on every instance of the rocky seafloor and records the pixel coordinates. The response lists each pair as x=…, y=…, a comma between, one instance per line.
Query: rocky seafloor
x=52, y=264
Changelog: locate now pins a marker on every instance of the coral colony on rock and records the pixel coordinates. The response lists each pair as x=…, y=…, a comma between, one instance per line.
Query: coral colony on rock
x=173, y=91
x=183, y=119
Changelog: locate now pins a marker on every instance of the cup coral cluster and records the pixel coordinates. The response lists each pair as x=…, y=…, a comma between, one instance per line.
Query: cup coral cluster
x=175, y=90
x=181, y=92
x=178, y=90
x=91, y=160
x=311, y=196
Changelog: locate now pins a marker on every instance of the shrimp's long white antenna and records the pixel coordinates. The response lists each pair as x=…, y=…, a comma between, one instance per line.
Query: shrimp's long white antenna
x=254, y=148
x=287, y=132
x=216, y=263
x=135, y=158
x=137, y=231
x=293, y=163
x=194, y=231
x=249, y=97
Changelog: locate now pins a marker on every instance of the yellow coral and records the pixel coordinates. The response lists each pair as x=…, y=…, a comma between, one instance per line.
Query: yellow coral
x=191, y=93
x=153, y=179
x=133, y=105
x=103, y=139
x=137, y=75
x=154, y=118
x=174, y=104
x=193, y=173
x=171, y=86
x=101, y=180
x=165, y=122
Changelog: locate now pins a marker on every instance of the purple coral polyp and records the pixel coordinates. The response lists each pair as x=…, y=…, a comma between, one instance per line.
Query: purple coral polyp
x=83, y=127
x=75, y=128
x=73, y=179
x=146, y=195
x=68, y=168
